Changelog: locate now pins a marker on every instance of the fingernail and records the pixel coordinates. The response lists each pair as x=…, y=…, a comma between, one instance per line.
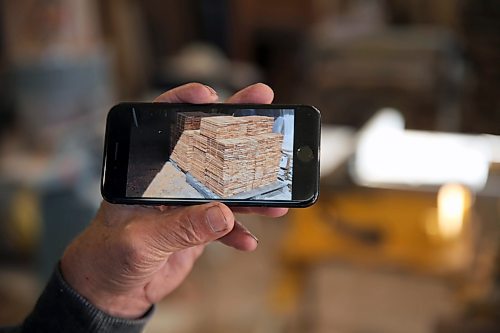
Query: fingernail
x=212, y=91
x=251, y=235
x=216, y=219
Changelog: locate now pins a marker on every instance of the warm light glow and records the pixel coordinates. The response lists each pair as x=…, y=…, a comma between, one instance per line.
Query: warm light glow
x=453, y=203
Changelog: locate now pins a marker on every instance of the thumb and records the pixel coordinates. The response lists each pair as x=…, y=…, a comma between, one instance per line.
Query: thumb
x=186, y=227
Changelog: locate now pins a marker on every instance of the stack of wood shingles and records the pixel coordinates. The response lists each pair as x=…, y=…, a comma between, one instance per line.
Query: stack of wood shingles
x=183, y=132
x=242, y=153
x=267, y=159
x=183, y=151
x=228, y=151
x=229, y=155
x=185, y=121
x=198, y=162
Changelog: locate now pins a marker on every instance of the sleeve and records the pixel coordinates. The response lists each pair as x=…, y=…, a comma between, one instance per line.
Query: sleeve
x=61, y=309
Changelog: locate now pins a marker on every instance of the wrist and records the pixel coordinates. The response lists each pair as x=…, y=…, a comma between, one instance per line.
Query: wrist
x=60, y=308
x=121, y=306
x=128, y=305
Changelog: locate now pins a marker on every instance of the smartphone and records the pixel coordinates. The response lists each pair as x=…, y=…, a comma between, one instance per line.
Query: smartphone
x=182, y=154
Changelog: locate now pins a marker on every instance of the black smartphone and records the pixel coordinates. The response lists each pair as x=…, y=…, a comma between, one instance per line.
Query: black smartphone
x=182, y=154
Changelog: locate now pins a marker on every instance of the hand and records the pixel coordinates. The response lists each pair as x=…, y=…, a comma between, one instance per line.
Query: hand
x=130, y=257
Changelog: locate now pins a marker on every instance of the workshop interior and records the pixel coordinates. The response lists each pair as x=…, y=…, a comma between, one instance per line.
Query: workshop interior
x=405, y=235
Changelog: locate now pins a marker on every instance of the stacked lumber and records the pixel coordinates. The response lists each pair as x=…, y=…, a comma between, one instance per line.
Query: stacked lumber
x=267, y=159
x=240, y=153
x=183, y=151
x=230, y=165
x=229, y=155
x=187, y=121
x=224, y=127
x=198, y=162
x=259, y=125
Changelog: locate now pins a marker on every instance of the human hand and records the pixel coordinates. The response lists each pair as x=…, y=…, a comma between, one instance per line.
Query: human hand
x=130, y=257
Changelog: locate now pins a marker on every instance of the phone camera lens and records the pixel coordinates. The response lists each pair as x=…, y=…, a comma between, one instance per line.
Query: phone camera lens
x=305, y=154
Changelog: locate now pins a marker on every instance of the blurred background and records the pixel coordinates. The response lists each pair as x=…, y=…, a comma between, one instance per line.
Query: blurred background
x=405, y=236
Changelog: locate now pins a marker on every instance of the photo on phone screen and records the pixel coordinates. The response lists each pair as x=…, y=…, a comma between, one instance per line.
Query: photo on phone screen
x=212, y=154
x=239, y=154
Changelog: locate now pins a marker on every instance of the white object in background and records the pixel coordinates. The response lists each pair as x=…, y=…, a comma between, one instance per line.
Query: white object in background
x=389, y=155
x=337, y=145
x=284, y=124
x=494, y=141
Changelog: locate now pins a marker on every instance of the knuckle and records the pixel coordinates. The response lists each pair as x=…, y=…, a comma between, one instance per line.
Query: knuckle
x=190, y=231
x=133, y=252
x=179, y=232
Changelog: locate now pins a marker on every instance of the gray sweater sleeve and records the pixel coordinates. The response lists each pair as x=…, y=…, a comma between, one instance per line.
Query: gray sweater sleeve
x=61, y=309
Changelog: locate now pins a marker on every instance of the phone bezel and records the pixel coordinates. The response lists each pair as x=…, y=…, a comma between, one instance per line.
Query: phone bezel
x=307, y=130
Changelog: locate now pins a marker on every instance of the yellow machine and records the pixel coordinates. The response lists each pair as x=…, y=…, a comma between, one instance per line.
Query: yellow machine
x=424, y=232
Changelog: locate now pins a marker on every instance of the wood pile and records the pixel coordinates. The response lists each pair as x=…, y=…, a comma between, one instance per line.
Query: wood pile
x=188, y=157
x=186, y=121
x=183, y=151
x=198, y=163
x=259, y=125
x=230, y=165
x=242, y=153
x=228, y=155
x=267, y=159
x=189, y=120
x=224, y=127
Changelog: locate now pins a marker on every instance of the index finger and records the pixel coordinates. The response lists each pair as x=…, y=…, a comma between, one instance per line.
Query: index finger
x=195, y=93
x=258, y=93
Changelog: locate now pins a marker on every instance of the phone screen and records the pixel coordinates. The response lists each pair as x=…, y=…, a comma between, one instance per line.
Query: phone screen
x=180, y=154
x=211, y=154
